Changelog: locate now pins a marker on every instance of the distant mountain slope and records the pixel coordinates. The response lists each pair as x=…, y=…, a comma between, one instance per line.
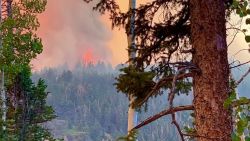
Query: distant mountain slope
x=90, y=109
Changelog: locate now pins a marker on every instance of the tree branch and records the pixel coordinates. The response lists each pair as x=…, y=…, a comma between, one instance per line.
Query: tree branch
x=239, y=65
x=159, y=84
x=163, y=113
x=242, y=78
x=171, y=100
x=177, y=126
x=240, y=51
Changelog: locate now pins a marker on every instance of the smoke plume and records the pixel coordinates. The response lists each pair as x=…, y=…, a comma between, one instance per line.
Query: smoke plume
x=70, y=30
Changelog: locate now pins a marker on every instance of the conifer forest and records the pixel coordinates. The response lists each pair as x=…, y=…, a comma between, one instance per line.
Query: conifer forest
x=124, y=70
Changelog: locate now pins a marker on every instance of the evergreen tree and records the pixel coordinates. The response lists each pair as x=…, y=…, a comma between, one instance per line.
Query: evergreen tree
x=32, y=110
x=26, y=102
x=27, y=109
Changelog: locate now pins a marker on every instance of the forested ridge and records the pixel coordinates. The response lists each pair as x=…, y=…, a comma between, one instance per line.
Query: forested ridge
x=90, y=109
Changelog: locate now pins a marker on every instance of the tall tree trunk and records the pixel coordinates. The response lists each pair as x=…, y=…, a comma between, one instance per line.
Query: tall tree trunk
x=132, y=115
x=211, y=87
x=3, y=94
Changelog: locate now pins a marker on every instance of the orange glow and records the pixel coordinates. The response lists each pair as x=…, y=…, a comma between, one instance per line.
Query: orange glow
x=62, y=45
x=88, y=57
x=66, y=41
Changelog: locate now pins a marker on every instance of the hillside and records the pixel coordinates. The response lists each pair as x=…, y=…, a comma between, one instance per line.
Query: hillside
x=90, y=109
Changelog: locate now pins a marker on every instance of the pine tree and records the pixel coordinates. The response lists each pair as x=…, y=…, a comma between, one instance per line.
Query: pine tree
x=31, y=109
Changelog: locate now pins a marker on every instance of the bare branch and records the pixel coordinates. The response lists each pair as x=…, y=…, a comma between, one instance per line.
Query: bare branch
x=233, y=38
x=180, y=63
x=237, y=31
x=163, y=113
x=171, y=99
x=243, y=76
x=234, y=62
x=240, y=51
x=177, y=126
x=240, y=65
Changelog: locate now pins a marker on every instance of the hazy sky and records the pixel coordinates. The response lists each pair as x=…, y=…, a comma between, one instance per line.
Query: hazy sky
x=72, y=32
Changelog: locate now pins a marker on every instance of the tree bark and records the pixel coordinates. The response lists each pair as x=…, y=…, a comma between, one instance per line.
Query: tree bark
x=132, y=115
x=2, y=80
x=211, y=87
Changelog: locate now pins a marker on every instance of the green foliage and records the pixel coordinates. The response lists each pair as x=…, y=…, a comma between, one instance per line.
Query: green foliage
x=240, y=113
x=189, y=130
x=132, y=136
x=242, y=122
x=9, y=133
x=248, y=21
x=20, y=43
x=247, y=38
x=25, y=119
x=241, y=7
x=247, y=138
x=141, y=85
x=183, y=86
x=34, y=6
x=37, y=133
x=235, y=137
x=135, y=83
x=37, y=110
x=230, y=99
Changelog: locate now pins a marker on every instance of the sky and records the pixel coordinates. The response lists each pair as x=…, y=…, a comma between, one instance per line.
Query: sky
x=71, y=32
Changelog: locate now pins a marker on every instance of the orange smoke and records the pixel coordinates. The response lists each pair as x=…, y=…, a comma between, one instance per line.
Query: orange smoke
x=67, y=36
